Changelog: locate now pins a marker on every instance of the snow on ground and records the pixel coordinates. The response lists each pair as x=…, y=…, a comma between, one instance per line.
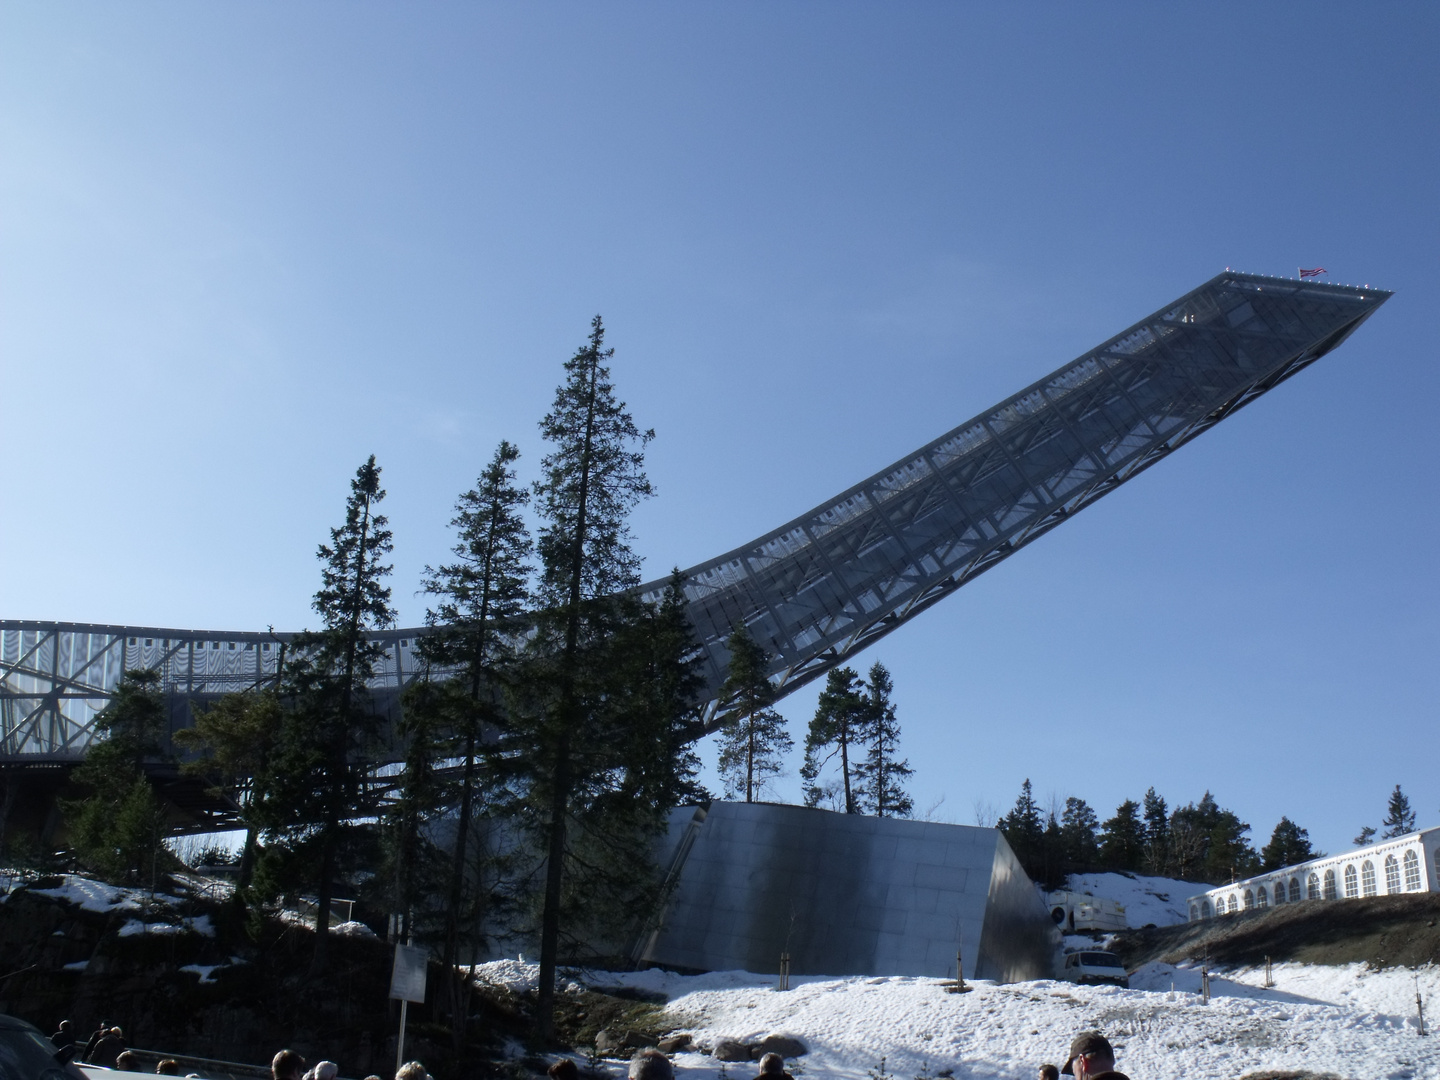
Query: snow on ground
x=1157, y=900
x=200, y=924
x=1344, y=1020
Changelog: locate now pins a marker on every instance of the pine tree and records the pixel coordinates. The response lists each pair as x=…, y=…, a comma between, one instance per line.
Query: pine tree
x=1079, y=844
x=1024, y=830
x=754, y=740
x=838, y=725
x=592, y=479
x=883, y=792
x=1366, y=837
x=1399, y=819
x=1289, y=844
x=329, y=725
x=477, y=597
x=1157, y=833
x=117, y=829
x=1208, y=843
x=414, y=866
x=1122, y=838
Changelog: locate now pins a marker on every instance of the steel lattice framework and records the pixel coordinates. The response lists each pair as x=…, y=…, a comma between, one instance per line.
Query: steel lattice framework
x=822, y=587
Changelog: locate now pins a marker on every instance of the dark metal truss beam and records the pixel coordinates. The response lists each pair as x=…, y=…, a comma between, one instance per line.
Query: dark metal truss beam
x=822, y=587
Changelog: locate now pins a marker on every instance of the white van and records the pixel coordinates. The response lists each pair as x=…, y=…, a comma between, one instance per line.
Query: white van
x=1092, y=966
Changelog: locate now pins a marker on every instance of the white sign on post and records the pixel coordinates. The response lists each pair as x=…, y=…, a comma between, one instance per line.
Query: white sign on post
x=407, y=980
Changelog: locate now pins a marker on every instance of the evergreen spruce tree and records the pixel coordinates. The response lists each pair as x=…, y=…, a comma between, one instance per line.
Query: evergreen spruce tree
x=478, y=597
x=1122, y=838
x=1399, y=818
x=1080, y=848
x=754, y=740
x=1366, y=837
x=835, y=730
x=415, y=868
x=1024, y=830
x=1157, y=833
x=117, y=829
x=883, y=788
x=1289, y=844
x=317, y=791
x=592, y=479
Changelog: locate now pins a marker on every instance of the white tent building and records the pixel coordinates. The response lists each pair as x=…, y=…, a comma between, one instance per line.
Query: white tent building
x=1406, y=864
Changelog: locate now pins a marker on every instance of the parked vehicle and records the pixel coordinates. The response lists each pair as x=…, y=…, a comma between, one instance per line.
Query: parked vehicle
x=1091, y=966
x=27, y=1054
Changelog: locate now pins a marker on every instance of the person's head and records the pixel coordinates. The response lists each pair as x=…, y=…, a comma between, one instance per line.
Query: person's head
x=64, y=1025
x=564, y=1069
x=651, y=1065
x=168, y=1067
x=1049, y=1072
x=772, y=1064
x=326, y=1070
x=125, y=1061
x=412, y=1070
x=1090, y=1053
x=287, y=1065
x=117, y=1033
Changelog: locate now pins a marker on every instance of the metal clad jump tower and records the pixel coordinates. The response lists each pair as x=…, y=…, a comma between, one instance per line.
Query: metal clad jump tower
x=820, y=588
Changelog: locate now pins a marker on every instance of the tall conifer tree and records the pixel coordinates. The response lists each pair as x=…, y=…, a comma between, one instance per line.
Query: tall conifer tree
x=885, y=771
x=1399, y=818
x=592, y=479
x=753, y=741
x=477, y=596
x=330, y=725
x=838, y=725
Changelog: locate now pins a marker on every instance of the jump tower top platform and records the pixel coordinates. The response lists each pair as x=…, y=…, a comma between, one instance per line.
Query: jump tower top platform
x=821, y=587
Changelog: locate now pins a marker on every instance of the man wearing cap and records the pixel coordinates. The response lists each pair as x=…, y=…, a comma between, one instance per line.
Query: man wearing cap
x=1092, y=1058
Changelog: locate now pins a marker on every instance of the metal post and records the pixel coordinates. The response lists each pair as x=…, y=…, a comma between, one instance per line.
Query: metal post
x=1269, y=978
x=784, y=971
x=400, y=1042
x=1205, y=984
x=960, y=986
x=1419, y=1006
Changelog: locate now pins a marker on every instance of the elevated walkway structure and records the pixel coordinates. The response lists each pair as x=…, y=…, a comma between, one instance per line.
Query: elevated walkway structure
x=824, y=586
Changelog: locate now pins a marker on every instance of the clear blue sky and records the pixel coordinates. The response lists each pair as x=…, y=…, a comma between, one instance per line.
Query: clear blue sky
x=242, y=246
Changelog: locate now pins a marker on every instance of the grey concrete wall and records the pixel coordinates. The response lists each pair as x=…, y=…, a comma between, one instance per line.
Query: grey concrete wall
x=846, y=894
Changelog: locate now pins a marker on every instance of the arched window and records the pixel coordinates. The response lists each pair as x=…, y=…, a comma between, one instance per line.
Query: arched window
x=1352, y=883
x=1329, y=884
x=1367, y=878
x=1194, y=913
x=1312, y=886
x=1234, y=904
x=1392, y=874
x=1204, y=909
x=1279, y=892
x=1261, y=900
x=1249, y=900
x=1294, y=890
x=1412, y=871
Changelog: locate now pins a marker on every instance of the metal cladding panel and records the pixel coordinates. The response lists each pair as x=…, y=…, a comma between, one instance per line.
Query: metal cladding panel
x=1019, y=940
x=843, y=894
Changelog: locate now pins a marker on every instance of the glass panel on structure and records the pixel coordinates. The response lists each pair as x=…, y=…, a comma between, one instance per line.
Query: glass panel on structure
x=1204, y=909
x=1312, y=886
x=1279, y=892
x=1234, y=904
x=1412, y=871
x=1261, y=900
x=1329, y=884
x=1367, y=878
x=1294, y=890
x=1392, y=874
x=1249, y=900
x=1352, y=883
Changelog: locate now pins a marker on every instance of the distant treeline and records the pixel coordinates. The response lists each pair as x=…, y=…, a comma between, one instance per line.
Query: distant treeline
x=1201, y=841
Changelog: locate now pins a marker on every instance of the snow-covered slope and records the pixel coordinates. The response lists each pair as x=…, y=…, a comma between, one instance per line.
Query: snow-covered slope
x=1147, y=900
x=1344, y=1020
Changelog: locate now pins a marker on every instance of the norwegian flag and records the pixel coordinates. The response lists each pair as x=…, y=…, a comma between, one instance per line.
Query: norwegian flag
x=1312, y=273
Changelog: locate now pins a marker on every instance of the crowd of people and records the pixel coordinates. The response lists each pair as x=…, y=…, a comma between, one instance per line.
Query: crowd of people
x=1091, y=1058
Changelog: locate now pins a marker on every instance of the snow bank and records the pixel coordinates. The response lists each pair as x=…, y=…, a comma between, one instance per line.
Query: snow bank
x=1157, y=900
x=1344, y=1020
